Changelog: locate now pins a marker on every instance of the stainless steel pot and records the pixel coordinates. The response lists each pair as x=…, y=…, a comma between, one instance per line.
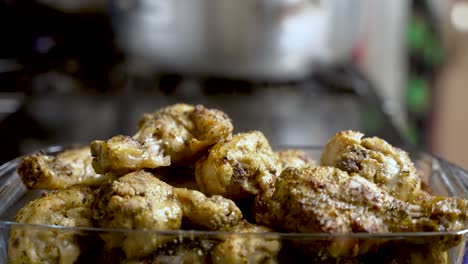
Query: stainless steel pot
x=250, y=39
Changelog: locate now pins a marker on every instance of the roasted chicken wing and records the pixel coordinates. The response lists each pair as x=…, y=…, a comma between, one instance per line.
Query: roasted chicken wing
x=288, y=158
x=374, y=159
x=185, y=130
x=122, y=154
x=333, y=201
x=240, y=167
x=247, y=247
x=137, y=200
x=68, y=208
x=69, y=168
x=173, y=135
x=326, y=199
x=207, y=213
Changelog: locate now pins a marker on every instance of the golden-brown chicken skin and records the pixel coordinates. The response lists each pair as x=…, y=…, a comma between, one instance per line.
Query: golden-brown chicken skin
x=137, y=200
x=247, y=248
x=68, y=208
x=326, y=199
x=207, y=213
x=240, y=167
x=374, y=159
x=175, y=135
x=288, y=158
x=122, y=154
x=185, y=130
x=330, y=200
x=68, y=168
x=295, y=158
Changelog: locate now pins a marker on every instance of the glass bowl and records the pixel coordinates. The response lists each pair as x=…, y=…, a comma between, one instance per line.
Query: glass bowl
x=86, y=245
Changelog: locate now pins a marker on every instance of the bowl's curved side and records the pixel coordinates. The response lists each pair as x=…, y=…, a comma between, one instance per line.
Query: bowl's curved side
x=454, y=177
x=11, y=186
x=444, y=177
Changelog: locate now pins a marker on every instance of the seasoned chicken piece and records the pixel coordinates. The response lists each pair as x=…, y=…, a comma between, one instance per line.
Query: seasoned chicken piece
x=248, y=247
x=288, y=158
x=177, y=134
x=206, y=213
x=69, y=208
x=333, y=201
x=69, y=168
x=137, y=200
x=374, y=159
x=185, y=130
x=122, y=154
x=294, y=158
x=326, y=199
x=240, y=167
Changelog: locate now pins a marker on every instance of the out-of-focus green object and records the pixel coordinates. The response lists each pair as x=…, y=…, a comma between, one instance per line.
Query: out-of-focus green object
x=418, y=95
x=424, y=55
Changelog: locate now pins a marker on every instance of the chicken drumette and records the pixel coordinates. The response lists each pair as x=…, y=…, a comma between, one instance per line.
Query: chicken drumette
x=122, y=154
x=69, y=168
x=207, y=213
x=366, y=206
x=327, y=199
x=139, y=200
x=240, y=167
x=288, y=158
x=249, y=246
x=374, y=159
x=173, y=135
x=68, y=208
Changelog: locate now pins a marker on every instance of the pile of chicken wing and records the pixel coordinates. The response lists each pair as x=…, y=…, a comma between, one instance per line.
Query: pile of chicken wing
x=184, y=169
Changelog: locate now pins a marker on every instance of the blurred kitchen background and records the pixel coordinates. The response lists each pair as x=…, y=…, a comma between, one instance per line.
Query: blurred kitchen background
x=298, y=70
